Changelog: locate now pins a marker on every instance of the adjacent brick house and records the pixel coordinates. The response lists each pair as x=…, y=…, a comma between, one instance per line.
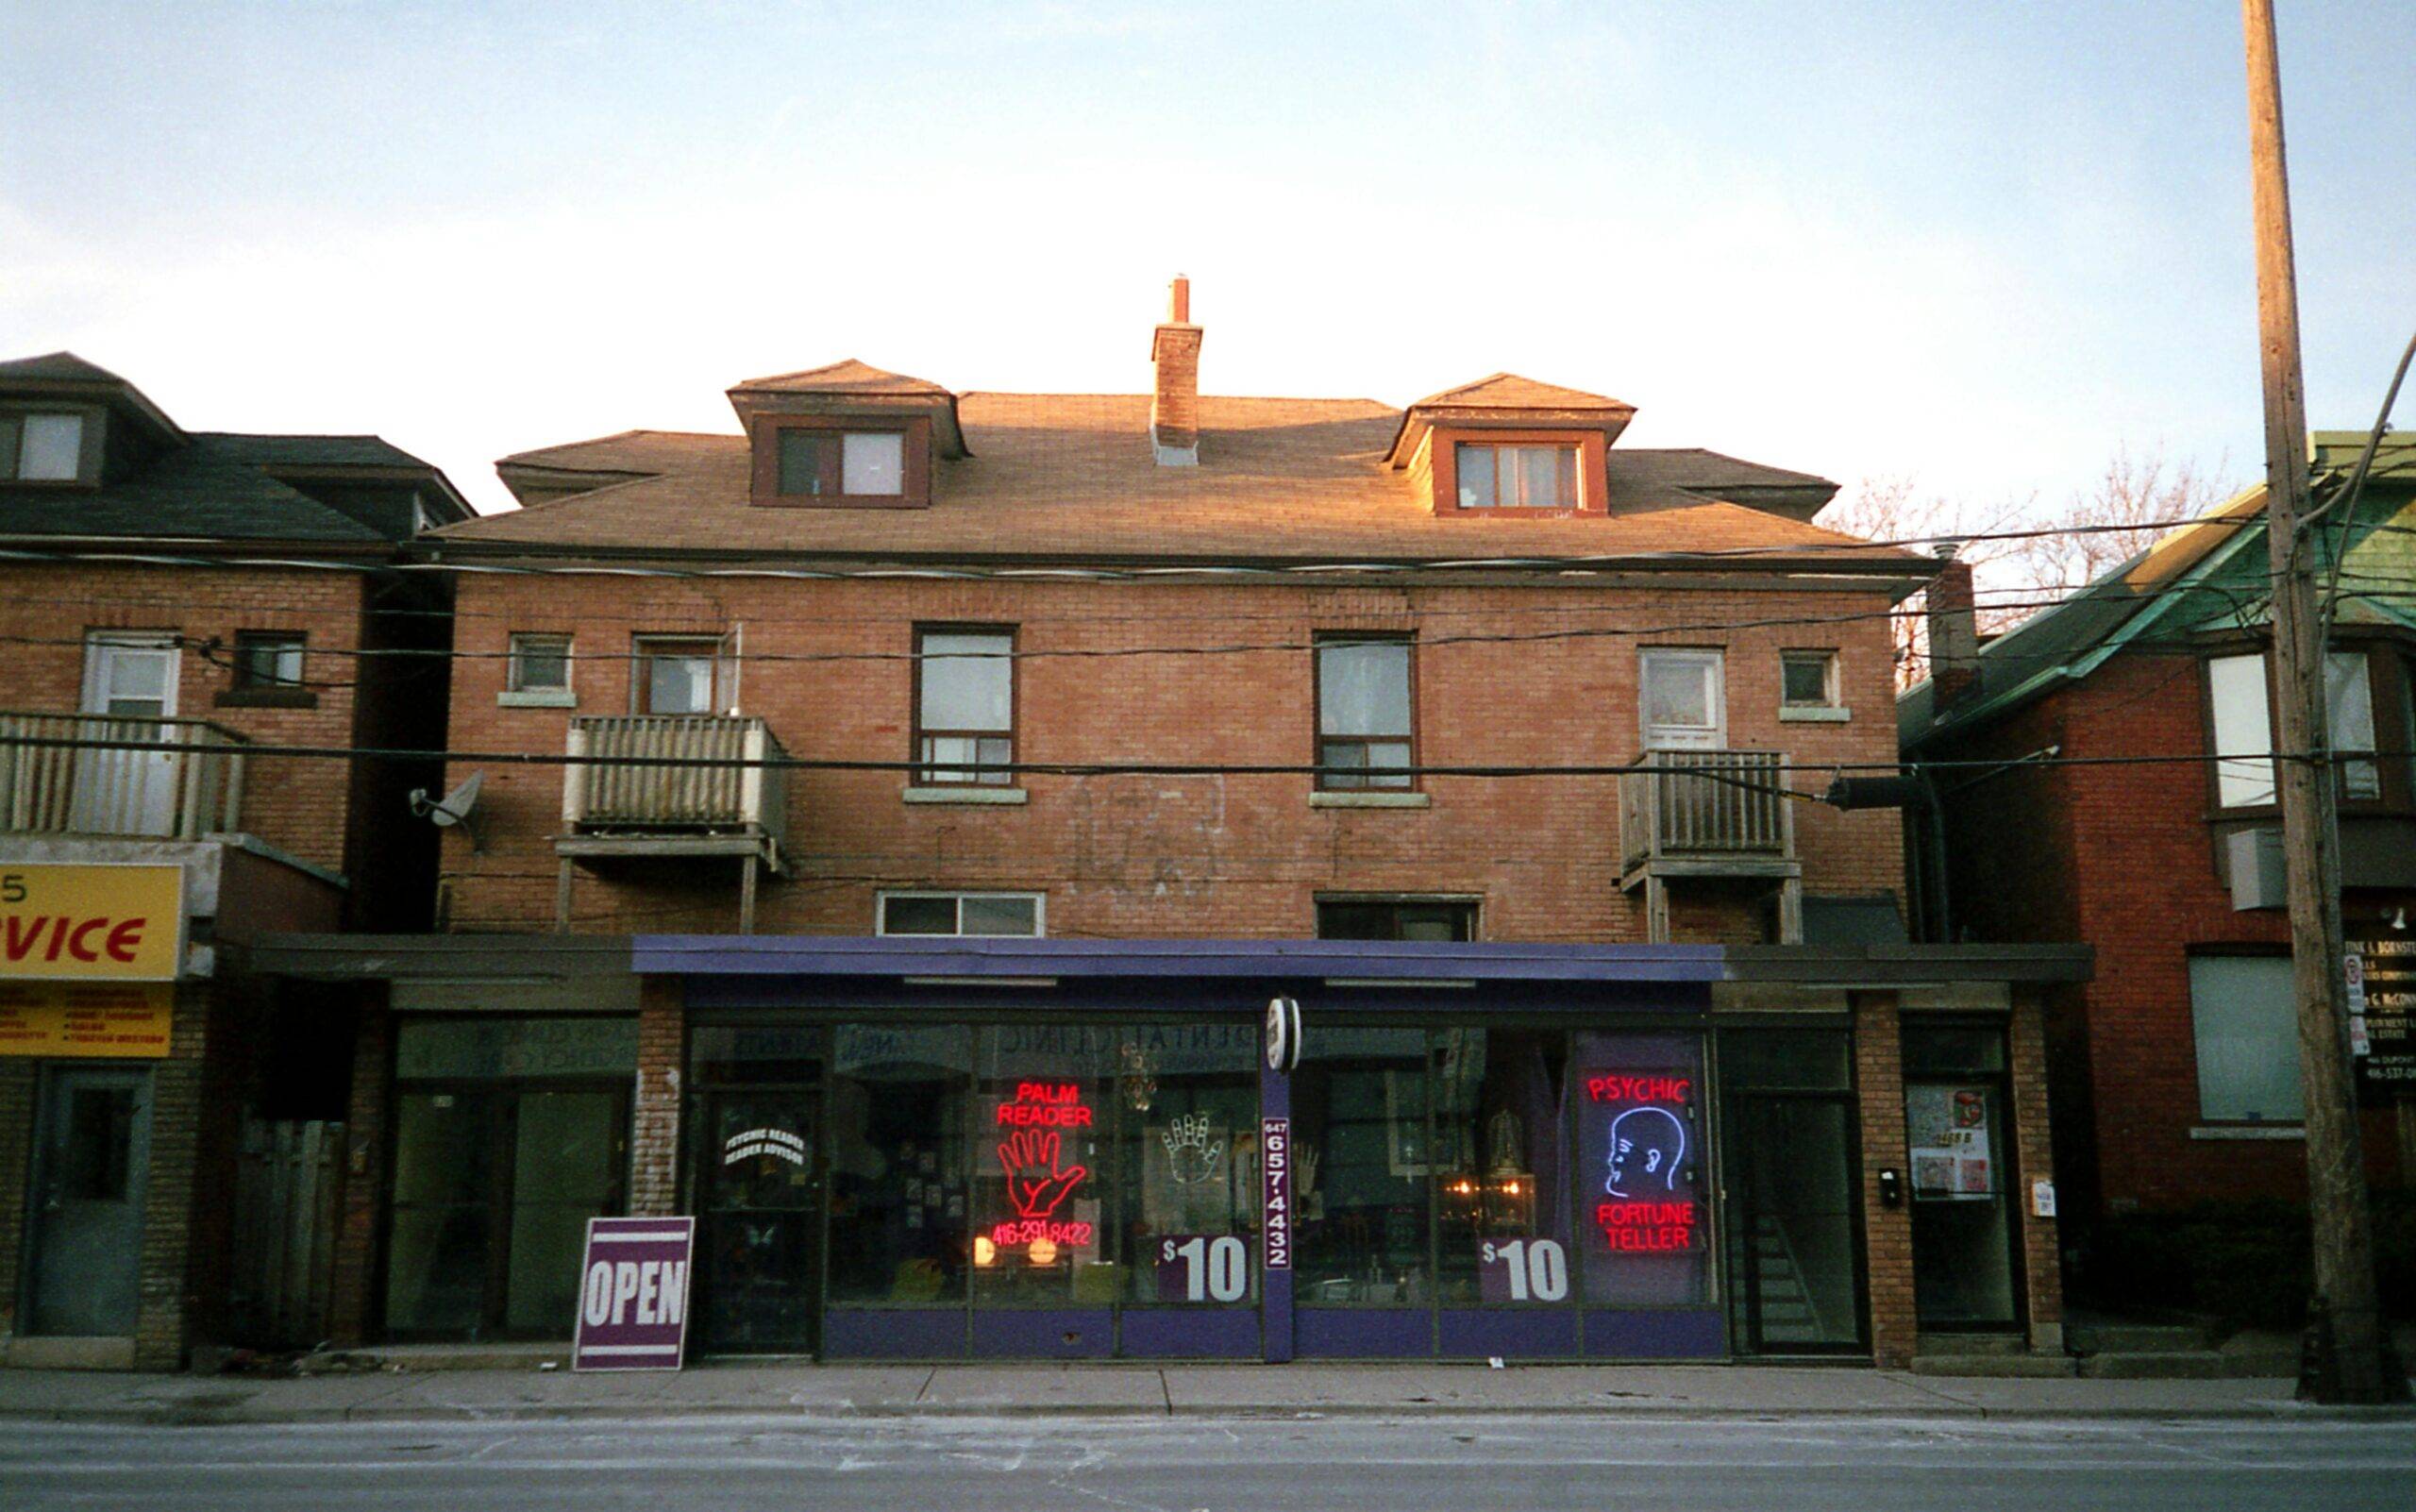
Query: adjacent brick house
x=954, y=782
x=2175, y=1069
x=193, y=597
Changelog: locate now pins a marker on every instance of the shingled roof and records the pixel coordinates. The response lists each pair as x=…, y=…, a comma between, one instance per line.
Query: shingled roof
x=163, y=483
x=1072, y=475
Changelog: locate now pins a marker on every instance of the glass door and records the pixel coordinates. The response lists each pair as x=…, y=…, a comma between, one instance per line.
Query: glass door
x=760, y=1204
x=1793, y=1246
x=492, y=1187
x=93, y=1152
x=1964, y=1269
x=129, y=687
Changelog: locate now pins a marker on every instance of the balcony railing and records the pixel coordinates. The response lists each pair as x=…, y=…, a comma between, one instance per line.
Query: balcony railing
x=1705, y=806
x=712, y=791
x=177, y=777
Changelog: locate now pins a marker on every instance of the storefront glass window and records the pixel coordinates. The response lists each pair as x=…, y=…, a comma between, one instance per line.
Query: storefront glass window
x=1643, y=1221
x=510, y=1133
x=900, y=1098
x=1043, y=1200
x=1362, y=1167
x=1186, y=1108
x=1503, y=1230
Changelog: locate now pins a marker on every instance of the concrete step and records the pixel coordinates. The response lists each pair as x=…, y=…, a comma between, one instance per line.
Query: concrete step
x=2125, y=1338
x=2162, y=1365
x=1937, y=1342
x=2027, y=1367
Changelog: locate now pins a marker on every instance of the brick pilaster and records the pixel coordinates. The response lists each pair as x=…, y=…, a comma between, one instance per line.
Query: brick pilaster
x=654, y=1134
x=2034, y=1160
x=1887, y=1232
x=352, y=1305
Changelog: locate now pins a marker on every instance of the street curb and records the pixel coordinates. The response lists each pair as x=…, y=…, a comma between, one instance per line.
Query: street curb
x=170, y=1415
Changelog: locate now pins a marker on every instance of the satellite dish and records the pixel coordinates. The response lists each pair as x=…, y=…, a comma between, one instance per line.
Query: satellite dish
x=452, y=809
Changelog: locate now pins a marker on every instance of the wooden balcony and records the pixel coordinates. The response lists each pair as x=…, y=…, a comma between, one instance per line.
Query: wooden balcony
x=710, y=798
x=178, y=779
x=1709, y=817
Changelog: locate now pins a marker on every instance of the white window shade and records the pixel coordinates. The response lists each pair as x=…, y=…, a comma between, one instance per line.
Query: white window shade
x=873, y=463
x=51, y=449
x=2244, y=731
x=2247, y=1019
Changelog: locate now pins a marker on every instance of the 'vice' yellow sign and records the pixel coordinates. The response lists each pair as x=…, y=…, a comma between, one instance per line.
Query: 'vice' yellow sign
x=92, y=922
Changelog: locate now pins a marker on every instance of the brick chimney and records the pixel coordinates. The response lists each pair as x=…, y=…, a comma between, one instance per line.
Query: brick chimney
x=1174, y=409
x=1953, y=636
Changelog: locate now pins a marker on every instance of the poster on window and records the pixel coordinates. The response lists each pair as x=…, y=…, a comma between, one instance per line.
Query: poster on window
x=1952, y=1138
x=2387, y=1072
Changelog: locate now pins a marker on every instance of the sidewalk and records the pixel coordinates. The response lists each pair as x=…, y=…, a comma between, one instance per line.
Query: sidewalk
x=1305, y=1391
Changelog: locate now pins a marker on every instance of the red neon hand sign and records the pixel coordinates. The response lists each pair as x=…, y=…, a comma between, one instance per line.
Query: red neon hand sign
x=1034, y=1185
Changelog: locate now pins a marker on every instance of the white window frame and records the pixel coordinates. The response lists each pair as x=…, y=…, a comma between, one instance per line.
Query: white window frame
x=1712, y=665
x=958, y=895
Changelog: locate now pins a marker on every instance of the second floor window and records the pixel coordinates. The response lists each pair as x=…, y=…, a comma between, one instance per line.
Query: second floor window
x=2241, y=714
x=1682, y=699
x=540, y=664
x=1365, y=711
x=965, y=706
x=1517, y=478
x=268, y=659
x=683, y=675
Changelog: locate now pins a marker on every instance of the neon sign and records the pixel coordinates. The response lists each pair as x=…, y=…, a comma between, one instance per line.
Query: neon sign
x=1037, y=1184
x=1045, y=1105
x=1644, y=1155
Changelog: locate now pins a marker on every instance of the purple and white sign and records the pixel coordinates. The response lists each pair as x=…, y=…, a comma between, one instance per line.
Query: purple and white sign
x=1275, y=1165
x=1198, y=1267
x=633, y=1294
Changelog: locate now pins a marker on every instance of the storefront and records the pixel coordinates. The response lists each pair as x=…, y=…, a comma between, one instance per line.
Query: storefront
x=909, y=1149
x=916, y=1148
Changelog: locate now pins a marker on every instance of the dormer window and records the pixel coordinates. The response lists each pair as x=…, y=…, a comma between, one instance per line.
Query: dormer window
x=841, y=461
x=42, y=448
x=1519, y=477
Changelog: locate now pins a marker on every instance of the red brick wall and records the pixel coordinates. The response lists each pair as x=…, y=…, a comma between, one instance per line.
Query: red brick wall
x=2043, y=1261
x=295, y=804
x=1138, y=856
x=2121, y=857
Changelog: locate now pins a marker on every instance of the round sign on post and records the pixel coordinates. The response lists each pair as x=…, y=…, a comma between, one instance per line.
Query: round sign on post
x=1282, y=1033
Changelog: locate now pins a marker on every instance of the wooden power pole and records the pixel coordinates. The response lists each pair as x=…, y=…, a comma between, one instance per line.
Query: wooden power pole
x=2347, y=1349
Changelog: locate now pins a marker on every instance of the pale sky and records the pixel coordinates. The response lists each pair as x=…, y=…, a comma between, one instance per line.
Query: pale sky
x=1981, y=245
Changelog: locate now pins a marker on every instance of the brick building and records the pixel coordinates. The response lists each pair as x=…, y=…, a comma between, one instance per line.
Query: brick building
x=173, y=604
x=935, y=791
x=2175, y=1069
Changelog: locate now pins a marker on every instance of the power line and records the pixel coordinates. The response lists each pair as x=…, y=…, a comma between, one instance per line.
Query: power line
x=1111, y=768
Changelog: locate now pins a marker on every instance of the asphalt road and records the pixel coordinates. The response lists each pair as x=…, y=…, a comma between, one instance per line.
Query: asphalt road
x=1466, y=1465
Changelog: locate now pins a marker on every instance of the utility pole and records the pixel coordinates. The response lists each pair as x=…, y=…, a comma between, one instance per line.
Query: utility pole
x=2347, y=1349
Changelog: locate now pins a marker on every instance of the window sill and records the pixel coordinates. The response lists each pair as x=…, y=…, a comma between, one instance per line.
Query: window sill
x=2249, y=1131
x=266, y=698
x=1368, y=800
x=536, y=699
x=1814, y=715
x=967, y=794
